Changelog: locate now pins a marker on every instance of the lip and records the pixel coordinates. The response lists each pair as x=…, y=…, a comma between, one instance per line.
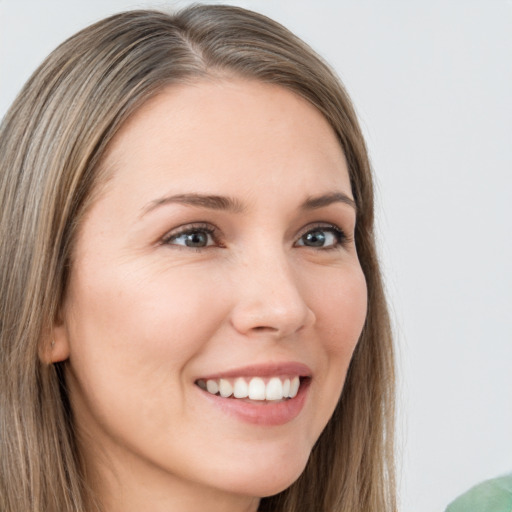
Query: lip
x=263, y=370
x=264, y=413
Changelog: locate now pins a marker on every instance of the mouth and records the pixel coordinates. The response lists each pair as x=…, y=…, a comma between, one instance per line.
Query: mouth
x=259, y=389
x=265, y=395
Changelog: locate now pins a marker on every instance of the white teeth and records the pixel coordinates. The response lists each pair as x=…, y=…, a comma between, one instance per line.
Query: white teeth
x=294, y=387
x=225, y=388
x=212, y=387
x=286, y=387
x=257, y=389
x=276, y=388
x=241, y=389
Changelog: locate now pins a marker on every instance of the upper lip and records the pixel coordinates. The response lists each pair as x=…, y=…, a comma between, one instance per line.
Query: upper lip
x=263, y=370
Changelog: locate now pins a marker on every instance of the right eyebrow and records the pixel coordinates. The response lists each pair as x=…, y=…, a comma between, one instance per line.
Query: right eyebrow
x=212, y=202
x=316, y=202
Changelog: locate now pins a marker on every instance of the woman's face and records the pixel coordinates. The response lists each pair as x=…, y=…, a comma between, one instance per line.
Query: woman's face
x=220, y=254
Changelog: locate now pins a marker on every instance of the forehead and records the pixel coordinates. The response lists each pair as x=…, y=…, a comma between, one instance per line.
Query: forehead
x=231, y=131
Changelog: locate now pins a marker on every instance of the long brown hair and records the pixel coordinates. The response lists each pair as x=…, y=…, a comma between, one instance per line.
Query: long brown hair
x=51, y=144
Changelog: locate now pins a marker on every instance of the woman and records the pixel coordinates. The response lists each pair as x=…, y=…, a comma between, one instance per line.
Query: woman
x=189, y=278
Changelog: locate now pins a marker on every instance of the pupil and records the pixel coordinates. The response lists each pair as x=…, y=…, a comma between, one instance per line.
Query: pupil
x=197, y=239
x=315, y=238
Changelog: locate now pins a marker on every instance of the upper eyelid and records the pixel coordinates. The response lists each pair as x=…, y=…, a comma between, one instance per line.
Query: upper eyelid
x=190, y=227
x=321, y=225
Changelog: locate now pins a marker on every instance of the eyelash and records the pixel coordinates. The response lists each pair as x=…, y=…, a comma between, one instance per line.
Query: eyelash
x=210, y=230
x=341, y=238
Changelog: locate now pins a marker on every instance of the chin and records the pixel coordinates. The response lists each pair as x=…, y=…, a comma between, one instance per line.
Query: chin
x=268, y=479
x=275, y=487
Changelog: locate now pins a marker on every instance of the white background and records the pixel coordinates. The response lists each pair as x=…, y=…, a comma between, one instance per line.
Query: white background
x=432, y=83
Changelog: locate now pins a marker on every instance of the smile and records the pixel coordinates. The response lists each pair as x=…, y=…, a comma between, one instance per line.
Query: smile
x=266, y=395
x=253, y=388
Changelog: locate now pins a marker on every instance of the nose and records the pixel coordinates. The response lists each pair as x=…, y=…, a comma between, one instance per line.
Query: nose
x=269, y=298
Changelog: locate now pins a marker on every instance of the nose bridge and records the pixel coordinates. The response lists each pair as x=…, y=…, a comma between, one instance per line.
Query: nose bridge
x=270, y=298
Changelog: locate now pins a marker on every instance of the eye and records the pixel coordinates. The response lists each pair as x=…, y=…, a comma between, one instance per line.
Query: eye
x=195, y=237
x=322, y=237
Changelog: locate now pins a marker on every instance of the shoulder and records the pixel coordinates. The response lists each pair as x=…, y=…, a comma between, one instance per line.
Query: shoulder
x=490, y=496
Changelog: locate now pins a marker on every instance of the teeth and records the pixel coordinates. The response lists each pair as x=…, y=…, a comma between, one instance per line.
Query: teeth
x=212, y=387
x=294, y=387
x=255, y=388
x=286, y=387
x=225, y=388
x=274, y=389
x=241, y=389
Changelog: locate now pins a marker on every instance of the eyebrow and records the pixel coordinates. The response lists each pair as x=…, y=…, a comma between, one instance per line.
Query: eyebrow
x=212, y=202
x=216, y=202
x=315, y=202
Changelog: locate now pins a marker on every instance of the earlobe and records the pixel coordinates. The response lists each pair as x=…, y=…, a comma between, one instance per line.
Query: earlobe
x=55, y=348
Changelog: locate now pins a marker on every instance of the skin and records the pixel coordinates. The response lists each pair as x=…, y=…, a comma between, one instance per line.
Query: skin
x=145, y=316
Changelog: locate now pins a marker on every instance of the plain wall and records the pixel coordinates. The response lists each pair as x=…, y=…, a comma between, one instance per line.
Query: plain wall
x=432, y=84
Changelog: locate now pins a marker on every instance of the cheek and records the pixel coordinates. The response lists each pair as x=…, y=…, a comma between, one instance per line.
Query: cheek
x=140, y=309
x=137, y=330
x=132, y=336
x=341, y=313
x=341, y=310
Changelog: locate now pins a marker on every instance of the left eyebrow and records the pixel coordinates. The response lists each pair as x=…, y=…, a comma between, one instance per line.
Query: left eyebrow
x=315, y=202
x=212, y=202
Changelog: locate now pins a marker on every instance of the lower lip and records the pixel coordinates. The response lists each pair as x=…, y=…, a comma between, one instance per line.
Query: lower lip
x=266, y=413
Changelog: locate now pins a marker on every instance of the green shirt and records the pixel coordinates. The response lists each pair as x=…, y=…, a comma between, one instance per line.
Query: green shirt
x=490, y=496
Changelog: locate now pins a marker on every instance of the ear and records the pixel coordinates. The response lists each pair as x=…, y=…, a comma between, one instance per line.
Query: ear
x=55, y=347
